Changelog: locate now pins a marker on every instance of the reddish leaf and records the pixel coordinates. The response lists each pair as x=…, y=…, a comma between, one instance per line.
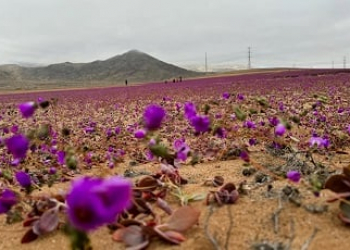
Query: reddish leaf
x=132, y=236
x=170, y=236
x=147, y=183
x=118, y=234
x=183, y=218
x=175, y=235
x=47, y=222
x=346, y=171
x=164, y=206
x=343, y=218
x=140, y=246
x=30, y=221
x=29, y=236
x=336, y=184
x=339, y=196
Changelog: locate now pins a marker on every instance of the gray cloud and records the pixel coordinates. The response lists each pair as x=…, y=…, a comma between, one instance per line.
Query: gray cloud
x=281, y=32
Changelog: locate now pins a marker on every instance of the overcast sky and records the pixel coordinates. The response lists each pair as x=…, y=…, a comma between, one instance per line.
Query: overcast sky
x=280, y=32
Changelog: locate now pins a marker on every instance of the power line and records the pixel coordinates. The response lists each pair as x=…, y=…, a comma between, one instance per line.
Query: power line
x=206, y=63
x=249, y=59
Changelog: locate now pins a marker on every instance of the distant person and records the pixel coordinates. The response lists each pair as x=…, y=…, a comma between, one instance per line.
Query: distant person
x=126, y=82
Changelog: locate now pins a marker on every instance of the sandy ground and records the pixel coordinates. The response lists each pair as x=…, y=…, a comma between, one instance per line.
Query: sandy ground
x=252, y=217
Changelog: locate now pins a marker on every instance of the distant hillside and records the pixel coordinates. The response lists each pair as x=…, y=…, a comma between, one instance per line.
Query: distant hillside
x=134, y=65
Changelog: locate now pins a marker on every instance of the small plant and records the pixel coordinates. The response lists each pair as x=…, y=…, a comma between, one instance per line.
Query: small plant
x=227, y=194
x=340, y=184
x=138, y=234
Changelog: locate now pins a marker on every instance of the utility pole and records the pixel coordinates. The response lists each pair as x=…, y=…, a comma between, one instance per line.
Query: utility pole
x=206, y=63
x=344, y=62
x=249, y=59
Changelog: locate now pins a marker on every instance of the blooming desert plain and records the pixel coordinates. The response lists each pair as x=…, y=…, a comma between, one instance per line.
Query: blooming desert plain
x=254, y=161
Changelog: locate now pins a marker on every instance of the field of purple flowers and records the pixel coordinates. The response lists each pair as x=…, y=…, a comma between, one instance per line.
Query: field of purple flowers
x=256, y=161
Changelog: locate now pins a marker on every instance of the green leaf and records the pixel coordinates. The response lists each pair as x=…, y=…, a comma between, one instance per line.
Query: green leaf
x=240, y=114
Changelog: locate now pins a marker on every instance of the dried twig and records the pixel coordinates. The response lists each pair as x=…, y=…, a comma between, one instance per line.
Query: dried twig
x=291, y=234
x=275, y=215
x=307, y=243
x=207, y=233
x=228, y=233
x=212, y=237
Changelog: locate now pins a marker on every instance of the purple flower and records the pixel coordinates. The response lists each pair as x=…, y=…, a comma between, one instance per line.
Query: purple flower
x=226, y=95
x=139, y=134
x=61, y=155
x=152, y=142
x=117, y=130
x=23, y=179
x=27, y=109
x=240, y=97
x=110, y=165
x=274, y=121
x=200, y=123
x=340, y=110
x=190, y=110
x=14, y=129
x=319, y=142
x=15, y=162
x=89, y=130
x=220, y=132
x=102, y=201
x=244, y=156
x=109, y=132
x=149, y=155
x=182, y=149
x=249, y=124
x=178, y=106
x=8, y=198
x=280, y=130
x=52, y=170
x=153, y=116
x=17, y=145
x=252, y=141
x=281, y=106
x=293, y=176
x=5, y=130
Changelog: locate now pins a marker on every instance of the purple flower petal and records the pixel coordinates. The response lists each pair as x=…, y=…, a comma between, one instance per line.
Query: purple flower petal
x=190, y=110
x=7, y=200
x=139, y=134
x=61, y=155
x=102, y=201
x=226, y=95
x=200, y=123
x=23, y=179
x=280, y=130
x=293, y=176
x=17, y=145
x=27, y=109
x=249, y=124
x=153, y=117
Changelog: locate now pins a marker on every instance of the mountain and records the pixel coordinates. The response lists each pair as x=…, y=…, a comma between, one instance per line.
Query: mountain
x=135, y=66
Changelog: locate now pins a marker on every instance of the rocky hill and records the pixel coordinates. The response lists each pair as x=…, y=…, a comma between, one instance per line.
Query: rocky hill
x=134, y=65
